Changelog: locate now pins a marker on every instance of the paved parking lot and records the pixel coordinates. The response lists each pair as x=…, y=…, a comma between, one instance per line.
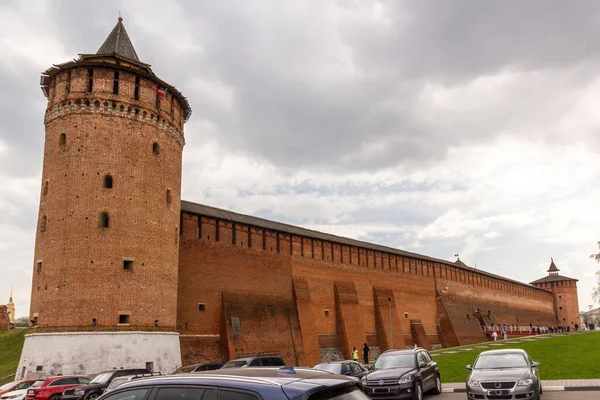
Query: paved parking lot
x=546, y=396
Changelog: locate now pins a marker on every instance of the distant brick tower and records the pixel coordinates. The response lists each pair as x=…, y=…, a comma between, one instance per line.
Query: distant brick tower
x=106, y=252
x=564, y=291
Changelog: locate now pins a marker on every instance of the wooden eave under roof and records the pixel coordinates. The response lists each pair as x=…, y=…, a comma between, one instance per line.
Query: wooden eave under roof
x=226, y=215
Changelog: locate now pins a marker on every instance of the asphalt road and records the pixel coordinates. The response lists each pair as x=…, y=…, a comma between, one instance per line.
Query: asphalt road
x=595, y=395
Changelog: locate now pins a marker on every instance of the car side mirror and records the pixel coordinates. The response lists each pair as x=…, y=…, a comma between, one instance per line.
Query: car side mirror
x=469, y=367
x=535, y=364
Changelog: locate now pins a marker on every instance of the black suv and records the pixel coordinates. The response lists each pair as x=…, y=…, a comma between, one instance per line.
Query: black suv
x=100, y=382
x=255, y=361
x=402, y=374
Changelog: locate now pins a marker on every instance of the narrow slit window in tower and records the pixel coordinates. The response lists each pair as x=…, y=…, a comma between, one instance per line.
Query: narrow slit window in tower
x=43, y=224
x=39, y=267
x=68, y=83
x=136, y=91
x=104, y=220
x=45, y=190
x=90, y=83
x=155, y=148
x=172, y=106
x=201, y=307
x=168, y=196
x=62, y=140
x=108, y=181
x=116, y=83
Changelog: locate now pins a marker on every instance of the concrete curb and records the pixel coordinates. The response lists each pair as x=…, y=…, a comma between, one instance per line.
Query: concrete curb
x=546, y=389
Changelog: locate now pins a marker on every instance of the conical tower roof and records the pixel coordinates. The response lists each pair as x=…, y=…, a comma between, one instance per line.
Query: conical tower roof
x=118, y=42
x=553, y=269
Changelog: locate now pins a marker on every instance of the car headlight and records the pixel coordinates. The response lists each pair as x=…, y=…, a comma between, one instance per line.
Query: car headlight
x=473, y=384
x=406, y=379
x=525, y=382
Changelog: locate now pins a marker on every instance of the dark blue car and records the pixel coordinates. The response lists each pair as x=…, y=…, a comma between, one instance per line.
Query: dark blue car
x=285, y=383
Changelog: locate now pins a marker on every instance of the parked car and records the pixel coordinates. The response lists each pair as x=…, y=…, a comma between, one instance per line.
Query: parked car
x=243, y=384
x=16, y=385
x=14, y=395
x=402, y=374
x=347, y=367
x=509, y=372
x=100, y=382
x=255, y=361
x=197, y=368
x=118, y=381
x=51, y=388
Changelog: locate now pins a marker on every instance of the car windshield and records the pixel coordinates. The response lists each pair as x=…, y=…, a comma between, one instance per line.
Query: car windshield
x=38, y=383
x=335, y=368
x=395, y=361
x=498, y=361
x=235, y=364
x=117, y=381
x=102, y=378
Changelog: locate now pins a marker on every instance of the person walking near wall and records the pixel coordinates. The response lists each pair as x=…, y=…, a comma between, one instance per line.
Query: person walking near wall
x=366, y=353
x=355, y=354
x=495, y=336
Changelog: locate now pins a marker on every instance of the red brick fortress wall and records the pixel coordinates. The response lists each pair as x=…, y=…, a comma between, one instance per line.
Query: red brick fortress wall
x=329, y=296
x=4, y=321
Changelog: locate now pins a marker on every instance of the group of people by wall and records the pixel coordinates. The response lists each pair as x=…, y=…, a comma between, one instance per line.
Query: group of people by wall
x=365, y=354
x=505, y=329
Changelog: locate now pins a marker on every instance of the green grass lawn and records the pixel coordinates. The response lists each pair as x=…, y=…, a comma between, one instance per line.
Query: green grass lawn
x=11, y=344
x=562, y=357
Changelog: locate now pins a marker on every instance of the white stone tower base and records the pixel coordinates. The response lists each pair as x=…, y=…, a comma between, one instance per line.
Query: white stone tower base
x=85, y=353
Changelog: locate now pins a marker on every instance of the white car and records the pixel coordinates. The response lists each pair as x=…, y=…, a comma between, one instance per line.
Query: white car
x=14, y=395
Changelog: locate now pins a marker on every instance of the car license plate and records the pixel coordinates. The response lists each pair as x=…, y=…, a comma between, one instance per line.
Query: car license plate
x=498, y=392
x=381, y=390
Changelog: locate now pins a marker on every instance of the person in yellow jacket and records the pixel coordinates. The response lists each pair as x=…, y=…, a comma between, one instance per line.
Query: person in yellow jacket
x=355, y=354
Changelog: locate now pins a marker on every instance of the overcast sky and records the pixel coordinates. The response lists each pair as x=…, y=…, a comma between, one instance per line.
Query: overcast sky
x=439, y=127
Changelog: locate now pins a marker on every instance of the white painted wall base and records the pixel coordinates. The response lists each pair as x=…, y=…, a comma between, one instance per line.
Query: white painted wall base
x=91, y=352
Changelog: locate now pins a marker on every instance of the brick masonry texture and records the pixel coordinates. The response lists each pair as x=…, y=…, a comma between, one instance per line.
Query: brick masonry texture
x=78, y=271
x=4, y=321
x=114, y=251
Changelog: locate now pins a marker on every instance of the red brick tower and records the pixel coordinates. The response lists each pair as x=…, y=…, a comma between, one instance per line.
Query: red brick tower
x=106, y=253
x=564, y=292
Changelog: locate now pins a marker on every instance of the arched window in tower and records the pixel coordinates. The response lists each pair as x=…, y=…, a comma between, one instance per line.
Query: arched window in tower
x=108, y=182
x=155, y=148
x=43, y=224
x=116, y=83
x=136, y=91
x=45, y=189
x=90, y=82
x=168, y=196
x=62, y=140
x=104, y=220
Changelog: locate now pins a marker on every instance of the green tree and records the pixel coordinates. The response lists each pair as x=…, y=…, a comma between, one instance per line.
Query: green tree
x=596, y=292
x=21, y=321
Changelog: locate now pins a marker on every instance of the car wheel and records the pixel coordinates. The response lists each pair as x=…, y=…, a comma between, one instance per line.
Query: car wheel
x=92, y=396
x=55, y=397
x=438, y=386
x=418, y=393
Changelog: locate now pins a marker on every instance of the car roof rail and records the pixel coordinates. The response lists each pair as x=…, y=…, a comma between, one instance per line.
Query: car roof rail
x=260, y=353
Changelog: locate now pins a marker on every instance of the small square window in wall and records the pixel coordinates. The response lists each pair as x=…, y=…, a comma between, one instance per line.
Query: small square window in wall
x=128, y=265
x=38, y=368
x=201, y=306
x=39, y=267
x=327, y=313
x=124, y=318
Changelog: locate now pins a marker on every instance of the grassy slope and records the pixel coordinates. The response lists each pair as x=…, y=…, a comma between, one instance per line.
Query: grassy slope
x=562, y=357
x=11, y=344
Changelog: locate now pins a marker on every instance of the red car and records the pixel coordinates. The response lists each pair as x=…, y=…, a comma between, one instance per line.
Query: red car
x=17, y=385
x=51, y=388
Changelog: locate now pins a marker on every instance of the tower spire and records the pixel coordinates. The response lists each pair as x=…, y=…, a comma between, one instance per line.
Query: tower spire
x=10, y=300
x=553, y=270
x=118, y=43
